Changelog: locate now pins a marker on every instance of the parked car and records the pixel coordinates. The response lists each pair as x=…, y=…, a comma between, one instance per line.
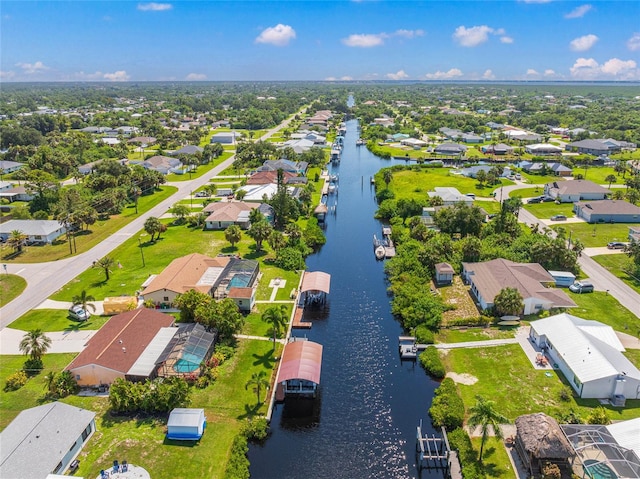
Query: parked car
x=558, y=218
x=616, y=245
x=518, y=176
x=471, y=195
x=581, y=287
x=547, y=199
x=202, y=194
x=78, y=313
x=534, y=200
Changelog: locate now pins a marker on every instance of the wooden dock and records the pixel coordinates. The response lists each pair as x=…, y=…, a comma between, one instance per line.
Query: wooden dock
x=434, y=452
x=298, y=323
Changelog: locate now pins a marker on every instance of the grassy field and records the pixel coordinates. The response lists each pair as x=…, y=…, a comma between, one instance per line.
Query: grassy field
x=201, y=170
x=605, y=308
x=157, y=255
x=475, y=334
x=495, y=461
x=11, y=286
x=254, y=326
x=506, y=376
x=593, y=235
x=526, y=192
x=547, y=210
x=50, y=320
x=615, y=263
x=86, y=240
x=539, y=179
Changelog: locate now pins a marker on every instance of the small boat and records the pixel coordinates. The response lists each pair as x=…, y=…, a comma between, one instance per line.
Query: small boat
x=360, y=142
x=373, y=180
x=332, y=188
x=379, y=252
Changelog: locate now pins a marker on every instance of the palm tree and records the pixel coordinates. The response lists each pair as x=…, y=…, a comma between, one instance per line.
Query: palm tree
x=508, y=301
x=106, y=264
x=387, y=176
x=35, y=343
x=233, y=234
x=83, y=299
x=258, y=381
x=276, y=316
x=17, y=240
x=483, y=414
x=610, y=179
x=152, y=226
x=260, y=231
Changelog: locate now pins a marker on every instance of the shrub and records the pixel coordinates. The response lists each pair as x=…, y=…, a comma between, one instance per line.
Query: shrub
x=424, y=335
x=33, y=366
x=430, y=360
x=598, y=416
x=447, y=408
x=570, y=417
x=256, y=429
x=289, y=259
x=550, y=471
x=16, y=381
x=459, y=440
x=238, y=465
x=565, y=394
x=225, y=351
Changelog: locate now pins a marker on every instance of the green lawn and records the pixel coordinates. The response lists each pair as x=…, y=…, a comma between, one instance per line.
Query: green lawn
x=11, y=286
x=615, y=264
x=491, y=207
x=201, y=170
x=605, y=308
x=526, y=192
x=539, y=179
x=29, y=395
x=597, y=174
x=474, y=334
x=49, y=320
x=591, y=235
x=86, y=240
x=495, y=460
x=633, y=355
x=254, y=326
x=547, y=210
x=264, y=291
x=506, y=376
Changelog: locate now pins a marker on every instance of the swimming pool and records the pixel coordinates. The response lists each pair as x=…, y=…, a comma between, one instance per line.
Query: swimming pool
x=187, y=363
x=598, y=470
x=239, y=281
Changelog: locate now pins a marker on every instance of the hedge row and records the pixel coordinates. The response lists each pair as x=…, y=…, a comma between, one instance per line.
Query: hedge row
x=447, y=408
x=430, y=360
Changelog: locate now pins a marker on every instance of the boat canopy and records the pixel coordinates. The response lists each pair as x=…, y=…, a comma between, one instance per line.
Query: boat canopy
x=316, y=281
x=301, y=360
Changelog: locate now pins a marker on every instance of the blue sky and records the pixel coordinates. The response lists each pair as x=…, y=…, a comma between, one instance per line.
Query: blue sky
x=319, y=40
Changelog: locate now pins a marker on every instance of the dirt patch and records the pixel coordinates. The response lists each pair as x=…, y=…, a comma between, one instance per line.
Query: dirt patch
x=464, y=378
x=457, y=295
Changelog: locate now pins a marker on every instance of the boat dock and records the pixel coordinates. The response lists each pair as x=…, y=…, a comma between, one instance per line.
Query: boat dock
x=385, y=243
x=408, y=348
x=435, y=453
x=298, y=323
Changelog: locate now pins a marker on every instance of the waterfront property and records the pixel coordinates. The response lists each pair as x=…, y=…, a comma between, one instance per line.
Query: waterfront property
x=488, y=278
x=300, y=367
x=450, y=196
x=186, y=424
x=589, y=354
x=44, y=440
x=127, y=346
x=188, y=347
x=223, y=214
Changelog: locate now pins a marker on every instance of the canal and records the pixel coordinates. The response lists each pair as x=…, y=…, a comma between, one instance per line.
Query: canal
x=363, y=424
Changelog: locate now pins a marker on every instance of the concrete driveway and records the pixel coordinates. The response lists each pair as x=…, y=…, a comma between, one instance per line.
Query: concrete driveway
x=61, y=341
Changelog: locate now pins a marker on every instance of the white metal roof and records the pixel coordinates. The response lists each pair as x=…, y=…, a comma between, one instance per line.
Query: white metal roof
x=31, y=227
x=627, y=434
x=591, y=349
x=146, y=362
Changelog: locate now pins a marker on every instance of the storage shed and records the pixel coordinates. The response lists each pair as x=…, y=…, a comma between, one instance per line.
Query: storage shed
x=563, y=278
x=119, y=304
x=444, y=273
x=186, y=424
x=539, y=439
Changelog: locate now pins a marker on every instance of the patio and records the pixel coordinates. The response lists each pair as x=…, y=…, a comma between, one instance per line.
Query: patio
x=124, y=471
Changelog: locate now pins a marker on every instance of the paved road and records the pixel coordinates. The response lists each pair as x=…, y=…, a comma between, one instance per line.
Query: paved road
x=44, y=279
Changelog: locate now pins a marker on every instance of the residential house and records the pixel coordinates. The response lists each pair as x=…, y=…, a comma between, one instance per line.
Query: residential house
x=299, y=146
x=634, y=233
x=143, y=140
x=44, y=440
x=268, y=176
x=15, y=193
x=609, y=211
x=472, y=171
x=591, y=147
x=37, y=231
x=188, y=150
x=488, y=278
x=161, y=164
x=258, y=193
x=223, y=214
x=226, y=137
x=471, y=138
x=556, y=168
x=497, y=149
x=542, y=149
x=10, y=166
x=450, y=149
x=575, y=190
x=413, y=143
x=589, y=354
x=450, y=196
x=127, y=347
x=297, y=167
x=384, y=121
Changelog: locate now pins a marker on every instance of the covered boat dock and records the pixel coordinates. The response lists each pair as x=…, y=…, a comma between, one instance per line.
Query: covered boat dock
x=315, y=287
x=300, y=367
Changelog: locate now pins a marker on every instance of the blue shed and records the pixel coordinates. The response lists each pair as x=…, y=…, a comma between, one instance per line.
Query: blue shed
x=563, y=278
x=186, y=424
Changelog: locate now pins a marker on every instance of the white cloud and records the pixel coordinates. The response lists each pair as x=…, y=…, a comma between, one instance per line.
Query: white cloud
x=506, y=39
x=473, y=36
x=365, y=40
x=589, y=69
x=579, y=12
x=408, y=33
x=7, y=75
x=488, y=75
x=280, y=35
x=120, y=75
x=584, y=43
x=330, y=79
x=532, y=72
x=399, y=75
x=82, y=76
x=154, y=7
x=196, y=77
x=368, y=40
x=30, y=68
x=346, y=78
x=549, y=72
x=439, y=75
x=633, y=43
